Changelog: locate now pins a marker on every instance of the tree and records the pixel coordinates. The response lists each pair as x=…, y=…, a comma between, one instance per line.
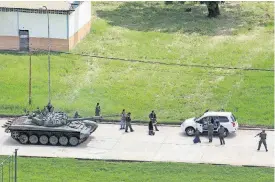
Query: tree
x=213, y=8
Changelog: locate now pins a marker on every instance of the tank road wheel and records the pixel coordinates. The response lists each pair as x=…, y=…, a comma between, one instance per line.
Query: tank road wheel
x=53, y=140
x=73, y=141
x=43, y=139
x=33, y=139
x=63, y=140
x=23, y=139
x=14, y=134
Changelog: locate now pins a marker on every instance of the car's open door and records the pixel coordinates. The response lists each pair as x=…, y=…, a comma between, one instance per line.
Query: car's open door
x=199, y=125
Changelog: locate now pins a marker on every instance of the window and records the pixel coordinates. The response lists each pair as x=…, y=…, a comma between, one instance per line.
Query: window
x=223, y=119
x=233, y=118
x=203, y=120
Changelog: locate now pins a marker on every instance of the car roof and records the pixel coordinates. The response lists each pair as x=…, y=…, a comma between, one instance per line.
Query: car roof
x=216, y=113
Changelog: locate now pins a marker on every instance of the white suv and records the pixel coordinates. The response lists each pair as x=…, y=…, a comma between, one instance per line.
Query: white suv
x=226, y=119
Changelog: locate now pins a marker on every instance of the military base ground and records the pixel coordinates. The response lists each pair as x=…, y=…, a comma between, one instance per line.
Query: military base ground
x=174, y=62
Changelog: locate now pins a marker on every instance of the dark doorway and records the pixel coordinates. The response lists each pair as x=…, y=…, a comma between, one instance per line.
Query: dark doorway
x=24, y=40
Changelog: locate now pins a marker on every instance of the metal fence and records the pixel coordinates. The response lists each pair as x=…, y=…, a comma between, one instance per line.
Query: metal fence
x=8, y=168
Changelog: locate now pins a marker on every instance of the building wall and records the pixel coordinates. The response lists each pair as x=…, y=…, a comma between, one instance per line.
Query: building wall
x=79, y=23
x=80, y=17
x=37, y=24
x=9, y=24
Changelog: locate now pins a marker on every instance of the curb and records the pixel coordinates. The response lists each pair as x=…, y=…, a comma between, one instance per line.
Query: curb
x=142, y=161
x=171, y=124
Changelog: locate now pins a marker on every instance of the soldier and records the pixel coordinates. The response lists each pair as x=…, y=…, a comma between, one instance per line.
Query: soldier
x=97, y=110
x=262, y=140
x=128, y=122
x=153, y=118
x=76, y=115
x=221, y=134
x=122, y=121
x=49, y=107
x=38, y=110
x=151, y=129
x=210, y=129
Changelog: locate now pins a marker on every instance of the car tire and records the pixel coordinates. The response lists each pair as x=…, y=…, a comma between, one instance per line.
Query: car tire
x=190, y=131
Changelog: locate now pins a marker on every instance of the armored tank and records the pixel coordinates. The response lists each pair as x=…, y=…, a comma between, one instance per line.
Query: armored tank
x=50, y=128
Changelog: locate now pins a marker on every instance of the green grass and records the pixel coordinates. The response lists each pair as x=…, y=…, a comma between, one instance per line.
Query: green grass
x=241, y=37
x=72, y=170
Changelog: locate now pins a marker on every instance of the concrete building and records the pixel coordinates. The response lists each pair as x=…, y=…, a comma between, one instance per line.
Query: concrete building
x=24, y=25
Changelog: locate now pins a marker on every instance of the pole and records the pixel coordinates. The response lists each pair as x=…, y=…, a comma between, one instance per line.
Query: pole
x=30, y=81
x=49, y=50
x=15, y=165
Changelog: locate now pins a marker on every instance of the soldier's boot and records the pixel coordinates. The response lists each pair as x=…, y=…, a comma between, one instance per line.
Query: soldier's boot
x=156, y=128
x=265, y=146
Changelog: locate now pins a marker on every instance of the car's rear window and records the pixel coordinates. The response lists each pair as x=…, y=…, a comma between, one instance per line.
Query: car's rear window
x=233, y=118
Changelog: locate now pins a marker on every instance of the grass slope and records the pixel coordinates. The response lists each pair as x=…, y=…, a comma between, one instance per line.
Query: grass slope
x=71, y=170
x=241, y=37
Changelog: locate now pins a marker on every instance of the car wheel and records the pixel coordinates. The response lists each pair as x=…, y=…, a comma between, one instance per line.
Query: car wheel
x=225, y=134
x=190, y=131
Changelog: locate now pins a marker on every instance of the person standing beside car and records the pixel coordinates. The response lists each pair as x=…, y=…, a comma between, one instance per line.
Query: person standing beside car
x=210, y=129
x=221, y=131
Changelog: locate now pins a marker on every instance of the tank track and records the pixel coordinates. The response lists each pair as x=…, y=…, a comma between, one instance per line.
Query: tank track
x=46, y=138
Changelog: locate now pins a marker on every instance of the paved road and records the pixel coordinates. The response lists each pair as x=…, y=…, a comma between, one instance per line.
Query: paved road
x=169, y=144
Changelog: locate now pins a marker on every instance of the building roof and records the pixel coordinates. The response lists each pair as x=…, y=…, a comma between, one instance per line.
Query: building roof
x=51, y=5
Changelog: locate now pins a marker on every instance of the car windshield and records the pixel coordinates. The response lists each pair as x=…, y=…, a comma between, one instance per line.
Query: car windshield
x=197, y=118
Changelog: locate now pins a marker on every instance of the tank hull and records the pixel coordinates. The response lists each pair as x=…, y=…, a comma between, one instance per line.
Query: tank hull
x=73, y=133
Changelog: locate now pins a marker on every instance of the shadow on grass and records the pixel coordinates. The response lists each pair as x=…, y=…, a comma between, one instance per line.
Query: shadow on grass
x=155, y=16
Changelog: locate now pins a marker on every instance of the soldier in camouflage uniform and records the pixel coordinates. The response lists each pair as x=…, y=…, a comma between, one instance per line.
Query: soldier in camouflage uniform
x=262, y=140
x=128, y=123
x=49, y=107
x=210, y=129
x=97, y=110
x=123, y=118
x=153, y=118
x=221, y=131
x=76, y=115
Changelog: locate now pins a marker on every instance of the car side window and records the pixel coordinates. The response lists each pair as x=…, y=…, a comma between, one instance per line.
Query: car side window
x=223, y=119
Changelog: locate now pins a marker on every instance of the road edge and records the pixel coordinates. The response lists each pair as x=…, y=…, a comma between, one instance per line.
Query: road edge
x=145, y=123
